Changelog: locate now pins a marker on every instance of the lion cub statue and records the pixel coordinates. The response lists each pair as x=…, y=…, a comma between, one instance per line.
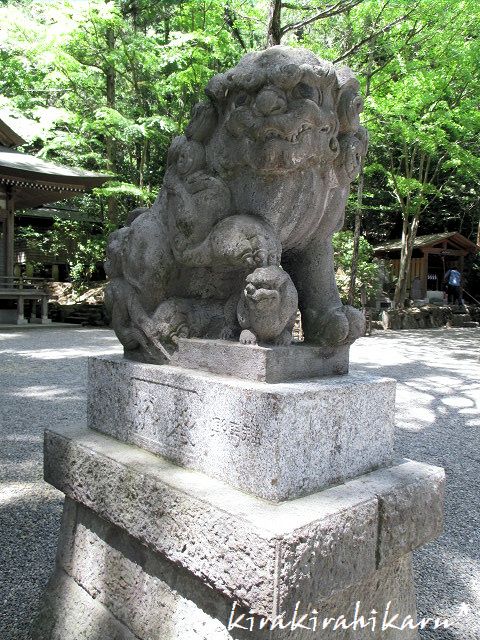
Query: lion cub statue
x=240, y=233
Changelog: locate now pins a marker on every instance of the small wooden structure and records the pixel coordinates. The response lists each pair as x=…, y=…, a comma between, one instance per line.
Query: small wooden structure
x=431, y=258
x=27, y=182
x=19, y=290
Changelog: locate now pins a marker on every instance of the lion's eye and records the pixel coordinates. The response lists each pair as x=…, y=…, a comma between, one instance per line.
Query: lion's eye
x=241, y=99
x=305, y=91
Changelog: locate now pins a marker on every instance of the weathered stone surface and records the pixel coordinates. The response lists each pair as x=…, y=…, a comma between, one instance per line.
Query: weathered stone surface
x=69, y=612
x=429, y=316
x=264, y=555
x=153, y=597
x=410, y=508
x=392, y=584
x=260, y=363
x=109, y=586
x=276, y=441
x=251, y=197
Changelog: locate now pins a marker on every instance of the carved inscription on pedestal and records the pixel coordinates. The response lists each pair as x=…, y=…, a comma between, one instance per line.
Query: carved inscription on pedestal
x=237, y=431
x=172, y=421
x=163, y=417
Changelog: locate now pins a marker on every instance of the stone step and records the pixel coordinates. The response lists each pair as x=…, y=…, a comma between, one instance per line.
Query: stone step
x=461, y=320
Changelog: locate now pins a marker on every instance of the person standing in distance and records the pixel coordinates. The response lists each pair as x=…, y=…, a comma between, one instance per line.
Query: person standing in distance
x=452, y=282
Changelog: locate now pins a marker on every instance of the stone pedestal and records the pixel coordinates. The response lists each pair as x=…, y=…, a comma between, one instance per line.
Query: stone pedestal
x=271, y=509
x=277, y=441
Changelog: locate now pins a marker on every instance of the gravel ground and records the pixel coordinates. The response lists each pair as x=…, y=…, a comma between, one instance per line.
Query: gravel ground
x=438, y=420
x=438, y=416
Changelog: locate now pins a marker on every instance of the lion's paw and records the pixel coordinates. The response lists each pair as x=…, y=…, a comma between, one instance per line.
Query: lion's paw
x=244, y=241
x=284, y=339
x=247, y=337
x=341, y=325
x=356, y=322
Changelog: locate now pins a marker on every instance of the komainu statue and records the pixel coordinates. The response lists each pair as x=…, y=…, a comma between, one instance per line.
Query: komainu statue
x=240, y=233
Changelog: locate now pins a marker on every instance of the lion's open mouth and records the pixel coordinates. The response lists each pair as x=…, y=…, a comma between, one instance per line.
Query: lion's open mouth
x=275, y=134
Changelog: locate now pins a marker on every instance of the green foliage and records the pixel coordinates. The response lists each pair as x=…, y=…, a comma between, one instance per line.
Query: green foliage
x=418, y=63
x=85, y=250
x=57, y=60
x=111, y=83
x=74, y=239
x=367, y=270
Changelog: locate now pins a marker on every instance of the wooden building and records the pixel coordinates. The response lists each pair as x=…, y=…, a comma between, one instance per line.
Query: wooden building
x=28, y=183
x=432, y=256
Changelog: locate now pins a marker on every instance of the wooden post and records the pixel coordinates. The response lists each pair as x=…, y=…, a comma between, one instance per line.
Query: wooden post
x=424, y=273
x=9, y=236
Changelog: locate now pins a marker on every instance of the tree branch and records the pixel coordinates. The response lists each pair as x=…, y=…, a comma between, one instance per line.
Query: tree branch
x=432, y=179
x=342, y=6
x=384, y=29
x=411, y=34
x=395, y=185
x=229, y=17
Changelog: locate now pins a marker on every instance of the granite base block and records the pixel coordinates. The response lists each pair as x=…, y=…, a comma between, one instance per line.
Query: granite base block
x=261, y=363
x=277, y=441
x=265, y=556
x=108, y=586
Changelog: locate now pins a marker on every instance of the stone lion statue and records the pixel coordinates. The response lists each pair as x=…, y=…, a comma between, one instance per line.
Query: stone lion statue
x=259, y=180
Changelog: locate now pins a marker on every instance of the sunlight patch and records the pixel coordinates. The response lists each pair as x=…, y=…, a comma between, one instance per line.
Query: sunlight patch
x=61, y=354
x=459, y=402
x=12, y=491
x=422, y=414
x=44, y=392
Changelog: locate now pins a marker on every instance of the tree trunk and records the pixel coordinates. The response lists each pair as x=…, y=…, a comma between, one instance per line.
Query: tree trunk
x=356, y=239
x=110, y=146
x=166, y=29
x=142, y=163
x=358, y=213
x=403, y=272
x=274, y=34
x=408, y=239
x=409, y=232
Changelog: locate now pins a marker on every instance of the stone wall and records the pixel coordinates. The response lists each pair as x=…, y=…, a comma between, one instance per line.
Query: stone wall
x=428, y=317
